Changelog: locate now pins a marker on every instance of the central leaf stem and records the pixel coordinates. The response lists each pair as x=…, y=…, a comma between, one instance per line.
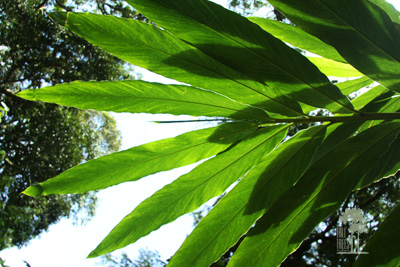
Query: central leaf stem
x=366, y=116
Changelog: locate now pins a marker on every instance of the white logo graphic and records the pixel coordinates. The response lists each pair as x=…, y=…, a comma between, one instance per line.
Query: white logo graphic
x=348, y=234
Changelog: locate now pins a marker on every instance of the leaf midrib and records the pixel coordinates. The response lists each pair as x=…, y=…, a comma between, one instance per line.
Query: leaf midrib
x=164, y=99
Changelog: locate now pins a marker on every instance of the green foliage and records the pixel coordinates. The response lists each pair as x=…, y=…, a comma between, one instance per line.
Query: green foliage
x=282, y=188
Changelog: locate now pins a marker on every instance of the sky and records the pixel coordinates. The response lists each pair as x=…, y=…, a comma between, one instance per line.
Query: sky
x=66, y=245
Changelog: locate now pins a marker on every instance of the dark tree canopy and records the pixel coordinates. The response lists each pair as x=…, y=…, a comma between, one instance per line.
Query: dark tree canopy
x=39, y=140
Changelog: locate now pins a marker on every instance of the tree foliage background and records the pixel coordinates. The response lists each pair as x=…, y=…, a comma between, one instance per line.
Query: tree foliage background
x=39, y=140
x=242, y=69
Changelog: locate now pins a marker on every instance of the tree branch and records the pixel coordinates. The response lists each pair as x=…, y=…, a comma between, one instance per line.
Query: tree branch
x=367, y=116
x=41, y=5
x=60, y=4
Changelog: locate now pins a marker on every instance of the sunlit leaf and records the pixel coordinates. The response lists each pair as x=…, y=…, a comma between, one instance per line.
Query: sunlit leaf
x=184, y=195
x=143, y=97
x=244, y=46
x=149, y=47
x=332, y=68
x=278, y=187
x=248, y=200
x=367, y=97
x=298, y=38
x=352, y=86
x=138, y=162
x=370, y=44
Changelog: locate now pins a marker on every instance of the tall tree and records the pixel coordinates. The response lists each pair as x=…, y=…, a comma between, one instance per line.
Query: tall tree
x=39, y=140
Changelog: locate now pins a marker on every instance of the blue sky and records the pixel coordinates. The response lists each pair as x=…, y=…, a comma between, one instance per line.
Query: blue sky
x=65, y=245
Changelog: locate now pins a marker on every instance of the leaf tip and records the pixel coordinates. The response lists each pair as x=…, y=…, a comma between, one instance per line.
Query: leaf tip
x=29, y=94
x=33, y=191
x=92, y=254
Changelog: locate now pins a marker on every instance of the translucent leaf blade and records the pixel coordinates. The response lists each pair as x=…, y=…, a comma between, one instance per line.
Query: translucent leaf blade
x=367, y=39
x=189, y=191
x=336, y=69
x=143, y=97
x=351, y=86
x=152, y=48
x=138, y=162
x=245, y=47
x=298, y=38
x=236, y=212
x=362, y=100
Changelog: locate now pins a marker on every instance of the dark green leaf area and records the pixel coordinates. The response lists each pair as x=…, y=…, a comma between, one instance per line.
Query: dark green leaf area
x=387, y=102
x=138, y=162
x=370, y=44
x=154, y=49
x=388, y=165
x=248, y=200
x=318, y=193
x=335, y=134
x=191, y=190
x=383, y=247
x=144, y=97
x=243, y=46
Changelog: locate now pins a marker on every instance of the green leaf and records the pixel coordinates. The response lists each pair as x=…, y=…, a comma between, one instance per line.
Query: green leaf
x=369, y=44
x=138, y=162
x=362, y=100
x=156, y=50
x=143, y=97
x=332, y=68
x=33, y=191
x=387, y=165
x=298, y=38
x=244, y=46
x=236, y=212
x=335, y=135
x=383, y=247
x=352, y=86
x=187, y=193
x=318, y=193
x=388, y=102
